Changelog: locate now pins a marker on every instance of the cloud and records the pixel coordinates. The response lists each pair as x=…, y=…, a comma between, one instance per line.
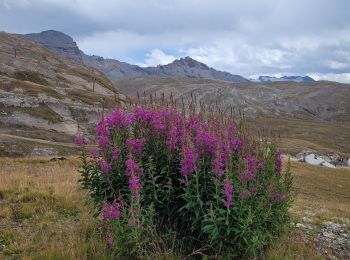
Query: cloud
x=339, y=77
x=157, y=57
x=243, y=37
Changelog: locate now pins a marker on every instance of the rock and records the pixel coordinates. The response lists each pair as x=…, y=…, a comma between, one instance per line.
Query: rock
x=56, y=159
x=306, y=220
x=39, y=151
x=328, y=235
x=335, y=236
x=304, y=226
x=299, y=225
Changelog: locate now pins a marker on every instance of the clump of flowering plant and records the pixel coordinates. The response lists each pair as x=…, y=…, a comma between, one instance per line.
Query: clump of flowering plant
x=205, y=178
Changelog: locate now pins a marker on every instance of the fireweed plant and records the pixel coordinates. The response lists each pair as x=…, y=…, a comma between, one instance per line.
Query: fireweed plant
x=205, y=179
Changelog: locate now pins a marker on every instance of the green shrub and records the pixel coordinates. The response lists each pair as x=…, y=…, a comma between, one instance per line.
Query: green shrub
x=218, y=189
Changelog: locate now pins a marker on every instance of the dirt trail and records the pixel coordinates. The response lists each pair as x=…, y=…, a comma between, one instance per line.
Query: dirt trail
x=36, y=140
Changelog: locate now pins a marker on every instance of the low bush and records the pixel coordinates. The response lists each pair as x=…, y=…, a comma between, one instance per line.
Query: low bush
x=206, y=183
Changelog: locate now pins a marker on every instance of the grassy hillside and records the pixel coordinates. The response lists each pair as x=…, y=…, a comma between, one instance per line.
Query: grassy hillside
x=47, y=97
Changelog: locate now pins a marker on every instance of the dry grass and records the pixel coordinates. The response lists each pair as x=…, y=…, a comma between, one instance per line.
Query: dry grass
x=293, y=246
x=297, y=134
x=44, y=215
x=43, y=212
x=321, y=193
x=41, y=111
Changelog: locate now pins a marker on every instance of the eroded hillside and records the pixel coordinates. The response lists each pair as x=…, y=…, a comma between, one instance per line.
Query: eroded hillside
x=45, y=97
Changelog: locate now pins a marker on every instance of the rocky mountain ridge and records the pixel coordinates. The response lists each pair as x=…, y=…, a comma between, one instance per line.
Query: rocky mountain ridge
x=116, y=70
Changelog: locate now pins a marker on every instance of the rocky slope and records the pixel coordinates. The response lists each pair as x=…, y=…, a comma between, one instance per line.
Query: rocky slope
x=321, y=101
x=46, y=97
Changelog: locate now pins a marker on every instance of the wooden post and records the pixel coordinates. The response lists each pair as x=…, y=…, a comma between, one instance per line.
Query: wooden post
x=15, y=49
x=93, y=78
x=93, y=84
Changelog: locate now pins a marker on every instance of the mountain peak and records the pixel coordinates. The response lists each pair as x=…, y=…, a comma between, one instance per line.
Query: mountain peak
x=188, y=58
x=52, y=37
x=189, y=62
x=56, y=41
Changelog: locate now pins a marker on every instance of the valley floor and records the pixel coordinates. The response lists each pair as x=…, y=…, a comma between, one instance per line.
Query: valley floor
x=45, y=215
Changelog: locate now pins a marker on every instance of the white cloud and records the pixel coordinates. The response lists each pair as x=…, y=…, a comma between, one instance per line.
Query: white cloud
x=157, y=57
x=9, y=4
x=333, y=64
x=242, y=37
x=340, y=77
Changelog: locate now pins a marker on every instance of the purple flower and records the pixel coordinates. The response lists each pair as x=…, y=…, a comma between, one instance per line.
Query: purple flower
x=105, y=166
x=252, y=189
x=242, y=178
x=94, y=154
x=278, y=162
x=142, y=115
x=251, y=168
x=188, y=163
x=205, y=142
x=111, y=211
x=135, y=145
x=79, y=140
x=228, y=192
x=134, y=173
x=110, y=240
x=244, y=194
x=157, y=123
x=172, y=139
x=250, y=175
x=260, y=165
x=103, y=142
x=218, y=167
x=101, y=128
x=118, y=119
x=116, y=153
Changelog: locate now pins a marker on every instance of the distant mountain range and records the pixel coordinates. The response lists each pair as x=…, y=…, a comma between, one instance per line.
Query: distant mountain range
x=299, y=79
x=116, y=70
x=49, y=89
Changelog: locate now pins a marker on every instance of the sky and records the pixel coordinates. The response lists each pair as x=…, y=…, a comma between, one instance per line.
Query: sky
x=245, y=37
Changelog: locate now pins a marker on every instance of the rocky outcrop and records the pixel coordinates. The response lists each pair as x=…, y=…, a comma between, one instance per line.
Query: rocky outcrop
x=56, y=41
x=332, y=239
x=190, y=68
